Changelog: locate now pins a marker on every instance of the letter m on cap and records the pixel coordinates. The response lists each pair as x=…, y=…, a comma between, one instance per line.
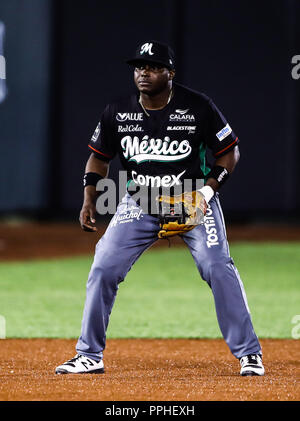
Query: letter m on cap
x=146, y=48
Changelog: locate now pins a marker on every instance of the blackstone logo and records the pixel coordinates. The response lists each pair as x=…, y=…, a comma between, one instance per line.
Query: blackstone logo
x=130, y=128
x=150, y=149
x=157, y=181
x=129, y=116
x=189, y=129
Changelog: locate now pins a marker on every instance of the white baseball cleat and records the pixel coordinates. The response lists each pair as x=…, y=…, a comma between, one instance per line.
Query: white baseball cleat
x=251, y=365
x=80, y=365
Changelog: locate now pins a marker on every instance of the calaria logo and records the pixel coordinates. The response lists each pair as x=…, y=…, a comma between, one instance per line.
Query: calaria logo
x=181, y=115
x=129, y=116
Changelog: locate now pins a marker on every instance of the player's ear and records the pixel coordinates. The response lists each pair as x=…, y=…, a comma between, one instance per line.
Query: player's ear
x=171, y=74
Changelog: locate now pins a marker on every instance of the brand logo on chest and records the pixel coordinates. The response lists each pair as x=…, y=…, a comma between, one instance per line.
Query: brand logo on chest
x=150, y=149
x=190, y=129
x=168, y=180
x=181, y=115
x=130, y=128
x=129, y=116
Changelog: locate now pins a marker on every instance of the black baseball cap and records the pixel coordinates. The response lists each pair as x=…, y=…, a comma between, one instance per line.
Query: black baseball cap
x=153, y=52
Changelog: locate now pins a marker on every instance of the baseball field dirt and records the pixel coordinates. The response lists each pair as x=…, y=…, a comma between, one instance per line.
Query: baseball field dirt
x=147, y=370
x=23, y=241
x=138, y=369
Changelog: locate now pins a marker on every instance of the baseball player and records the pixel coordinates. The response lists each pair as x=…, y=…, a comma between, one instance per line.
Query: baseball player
x=161, y=134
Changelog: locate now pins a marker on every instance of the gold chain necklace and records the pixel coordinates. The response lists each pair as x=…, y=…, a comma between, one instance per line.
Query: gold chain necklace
x=147, y=114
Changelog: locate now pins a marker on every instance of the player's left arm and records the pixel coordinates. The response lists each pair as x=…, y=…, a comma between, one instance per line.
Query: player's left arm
x=227, y=161
x=223, y=143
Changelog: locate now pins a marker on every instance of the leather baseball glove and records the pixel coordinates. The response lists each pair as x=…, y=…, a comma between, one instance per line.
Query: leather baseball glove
x=181, y=213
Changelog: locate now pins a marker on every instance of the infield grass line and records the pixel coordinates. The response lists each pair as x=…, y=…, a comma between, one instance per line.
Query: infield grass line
x=163, y=296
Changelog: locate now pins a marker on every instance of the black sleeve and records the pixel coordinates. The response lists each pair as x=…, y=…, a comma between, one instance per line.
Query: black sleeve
x=220, y=138
x=102, y=142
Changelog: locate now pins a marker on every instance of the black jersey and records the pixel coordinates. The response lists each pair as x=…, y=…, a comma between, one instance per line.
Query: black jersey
x=167, y=146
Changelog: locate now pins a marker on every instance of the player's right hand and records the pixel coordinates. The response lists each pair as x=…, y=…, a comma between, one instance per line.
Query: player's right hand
x=87, y=217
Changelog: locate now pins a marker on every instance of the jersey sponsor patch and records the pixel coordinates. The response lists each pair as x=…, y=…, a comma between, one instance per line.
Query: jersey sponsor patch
x=224, y=132
x=157, y=181
x=129, y=214
x=181, y=115
x=212, y=238
x=130, y=128
x=129, y=116
x=178, y=111
x=189, y=129
x=96, y=133
x=150, y=149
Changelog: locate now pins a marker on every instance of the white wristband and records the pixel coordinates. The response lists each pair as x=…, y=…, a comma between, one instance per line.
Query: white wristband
x=207, y=192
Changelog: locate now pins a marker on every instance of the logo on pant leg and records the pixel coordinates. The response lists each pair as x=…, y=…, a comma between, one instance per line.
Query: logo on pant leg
x=210, y=228
x=129, y=214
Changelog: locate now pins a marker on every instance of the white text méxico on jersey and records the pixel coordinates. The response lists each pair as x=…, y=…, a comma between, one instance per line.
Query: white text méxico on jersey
x=150, y=149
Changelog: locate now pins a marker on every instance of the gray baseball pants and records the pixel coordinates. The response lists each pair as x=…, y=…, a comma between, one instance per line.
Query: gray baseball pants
x=128, y=235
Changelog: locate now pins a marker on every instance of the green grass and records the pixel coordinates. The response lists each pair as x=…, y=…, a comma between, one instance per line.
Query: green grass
x=162, y=296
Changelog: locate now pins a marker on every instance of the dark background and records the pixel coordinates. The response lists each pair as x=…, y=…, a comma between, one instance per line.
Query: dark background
x=66, y=59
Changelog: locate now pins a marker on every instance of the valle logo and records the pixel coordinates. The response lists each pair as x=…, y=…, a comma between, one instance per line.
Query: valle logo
x=129, y=116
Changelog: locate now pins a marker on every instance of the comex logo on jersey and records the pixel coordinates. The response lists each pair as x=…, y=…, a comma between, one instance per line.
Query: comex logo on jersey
x=168, y=180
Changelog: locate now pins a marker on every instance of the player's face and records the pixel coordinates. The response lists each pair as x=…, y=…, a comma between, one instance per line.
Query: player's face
x=152, y=79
